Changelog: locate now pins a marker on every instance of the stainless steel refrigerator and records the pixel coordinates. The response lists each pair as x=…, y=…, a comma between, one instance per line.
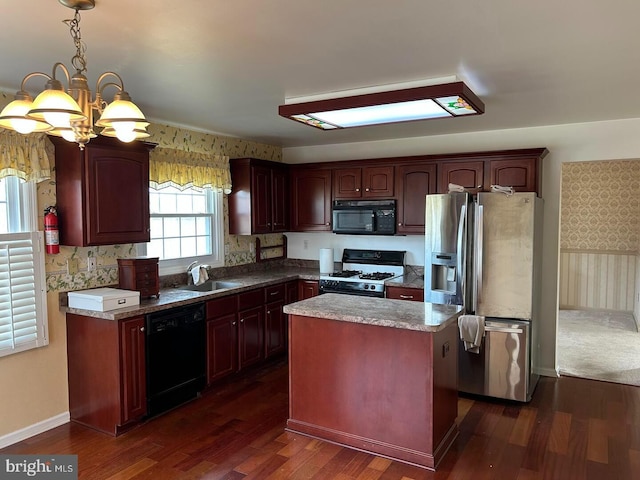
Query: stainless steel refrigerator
x=484, y=253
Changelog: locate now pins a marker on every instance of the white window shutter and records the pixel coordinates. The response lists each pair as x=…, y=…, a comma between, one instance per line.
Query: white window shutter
x=23, y=312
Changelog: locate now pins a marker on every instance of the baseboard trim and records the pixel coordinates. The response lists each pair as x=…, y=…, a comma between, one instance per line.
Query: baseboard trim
x=547, y=372
x=35, y=429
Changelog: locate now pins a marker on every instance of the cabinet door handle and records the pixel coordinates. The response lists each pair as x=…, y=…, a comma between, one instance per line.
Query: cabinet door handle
x=357, y=189
x=273, y=293
x=242, y=320
x=366, y=189
x=327, y=223
x=142, y=329
x=406, y=297
x=399, y=224
x=233, y=324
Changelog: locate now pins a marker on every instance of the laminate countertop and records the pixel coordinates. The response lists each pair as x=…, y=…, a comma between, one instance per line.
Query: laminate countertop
x=176, y=297
x=426, y=317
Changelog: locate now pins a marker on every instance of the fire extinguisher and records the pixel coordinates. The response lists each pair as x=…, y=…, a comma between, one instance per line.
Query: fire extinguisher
x=51, y=233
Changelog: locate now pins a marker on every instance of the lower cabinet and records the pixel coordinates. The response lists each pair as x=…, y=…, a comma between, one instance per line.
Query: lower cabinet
x=250, y=328
x=222, y=337
x=275, y=328
x=308, y=289
x=107, y=372
x=405, y=293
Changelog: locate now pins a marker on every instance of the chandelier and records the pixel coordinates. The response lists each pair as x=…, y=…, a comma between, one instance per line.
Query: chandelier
x=70, y=114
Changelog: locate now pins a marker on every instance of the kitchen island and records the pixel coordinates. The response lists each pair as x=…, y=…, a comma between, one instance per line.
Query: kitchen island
x=374, y=374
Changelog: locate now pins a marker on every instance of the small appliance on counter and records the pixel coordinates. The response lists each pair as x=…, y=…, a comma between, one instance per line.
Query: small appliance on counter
x=364, y=272
x=103, y=299
x=326, y=260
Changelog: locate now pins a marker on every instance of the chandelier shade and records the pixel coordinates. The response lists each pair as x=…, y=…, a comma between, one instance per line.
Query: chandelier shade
x=14, y=116
x=70, y=114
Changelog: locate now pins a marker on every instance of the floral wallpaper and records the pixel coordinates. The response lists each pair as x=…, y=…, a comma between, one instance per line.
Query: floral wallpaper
x=239, y=250
x=600, y=206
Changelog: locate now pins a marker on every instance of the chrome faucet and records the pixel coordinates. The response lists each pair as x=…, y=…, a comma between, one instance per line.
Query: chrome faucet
x=191, y=266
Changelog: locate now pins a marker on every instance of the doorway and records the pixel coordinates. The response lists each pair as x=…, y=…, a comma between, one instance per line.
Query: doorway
x=597, y=335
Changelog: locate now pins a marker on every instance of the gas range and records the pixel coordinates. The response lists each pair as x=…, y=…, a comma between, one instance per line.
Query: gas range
x=364, y=272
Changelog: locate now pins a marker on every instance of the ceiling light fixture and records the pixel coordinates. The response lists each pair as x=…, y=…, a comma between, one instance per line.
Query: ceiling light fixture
x=70, y=114
x=405, y=105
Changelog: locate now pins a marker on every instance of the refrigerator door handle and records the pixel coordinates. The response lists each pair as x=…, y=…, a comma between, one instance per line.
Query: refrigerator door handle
x=479, y=260
x=461, y=242
x=503, y=329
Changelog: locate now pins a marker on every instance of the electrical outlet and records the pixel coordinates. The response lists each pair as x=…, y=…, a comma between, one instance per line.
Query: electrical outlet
x=72, y=266
x=305, y=244
x=252, y=247
x=226, y=249
x=91, y=263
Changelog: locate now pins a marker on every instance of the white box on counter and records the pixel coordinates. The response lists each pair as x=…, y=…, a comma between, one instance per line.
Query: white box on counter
x=103, y=299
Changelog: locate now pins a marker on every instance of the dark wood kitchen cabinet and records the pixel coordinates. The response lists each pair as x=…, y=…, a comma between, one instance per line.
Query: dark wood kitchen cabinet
x=291, y=292
x=308, y=289
x=310, y=199
x=413, y=183
x=363, y=182
x=107, y=372
x=102, y=192
x=520, y=169
x=523, y=174
x=222, y=337
x=404, y=293
x=250, y=328
x=275, y=329
x=259, y=200
x=469, y=175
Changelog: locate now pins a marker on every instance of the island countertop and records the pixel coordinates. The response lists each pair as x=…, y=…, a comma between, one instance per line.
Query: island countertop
x=421, y=316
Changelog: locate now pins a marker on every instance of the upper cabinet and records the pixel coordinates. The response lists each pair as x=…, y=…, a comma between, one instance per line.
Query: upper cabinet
x=520, y=169
x=102, y=192
x=310, y=199
x=363, y=182
x=413, y=183
x=259, y=201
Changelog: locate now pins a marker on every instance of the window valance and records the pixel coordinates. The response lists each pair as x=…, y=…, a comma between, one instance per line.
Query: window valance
x=182, y=169
x=24, y=156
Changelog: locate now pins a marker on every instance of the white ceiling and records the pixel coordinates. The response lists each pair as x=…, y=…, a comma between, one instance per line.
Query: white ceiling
x=224, y=66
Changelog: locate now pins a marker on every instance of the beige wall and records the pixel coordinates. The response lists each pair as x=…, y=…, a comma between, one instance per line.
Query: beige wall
x=35, y=382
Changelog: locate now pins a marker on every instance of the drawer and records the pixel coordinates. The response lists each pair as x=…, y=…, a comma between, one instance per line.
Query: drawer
x=275, y=293
x=222, y=306
x=405, y=293
x=150, y=274
x=147, y=267
x=254, y=298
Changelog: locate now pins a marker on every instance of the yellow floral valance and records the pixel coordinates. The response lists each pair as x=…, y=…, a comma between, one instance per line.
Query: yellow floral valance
x=182, y=169
x=24, y=156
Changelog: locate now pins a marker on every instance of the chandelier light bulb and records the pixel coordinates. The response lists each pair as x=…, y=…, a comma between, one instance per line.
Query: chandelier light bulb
x=14, y=116
x=124, y=131
x=68, y=134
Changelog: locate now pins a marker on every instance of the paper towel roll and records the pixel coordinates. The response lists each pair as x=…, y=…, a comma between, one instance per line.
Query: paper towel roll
x=326, y=260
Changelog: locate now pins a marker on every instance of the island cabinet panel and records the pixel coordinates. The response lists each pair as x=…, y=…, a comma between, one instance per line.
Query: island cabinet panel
x=106, y=368
x=351, y=384
x=310, y=199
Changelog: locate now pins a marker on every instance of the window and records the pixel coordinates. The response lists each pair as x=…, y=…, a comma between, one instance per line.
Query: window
x=186, y=226
x=23, y=310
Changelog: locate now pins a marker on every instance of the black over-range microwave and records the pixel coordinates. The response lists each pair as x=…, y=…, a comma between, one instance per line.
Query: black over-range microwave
x=370, y=217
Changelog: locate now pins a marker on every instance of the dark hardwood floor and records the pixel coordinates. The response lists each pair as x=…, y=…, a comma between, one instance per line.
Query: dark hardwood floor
x=572, y=429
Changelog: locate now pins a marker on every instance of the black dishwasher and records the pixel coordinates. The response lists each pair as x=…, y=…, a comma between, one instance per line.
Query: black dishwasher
x=176, y=356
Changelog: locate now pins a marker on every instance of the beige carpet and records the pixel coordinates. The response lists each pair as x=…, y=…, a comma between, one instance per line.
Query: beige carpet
x=599, y=346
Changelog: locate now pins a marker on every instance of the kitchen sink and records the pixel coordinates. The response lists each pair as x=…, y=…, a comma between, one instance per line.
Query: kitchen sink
x=210, y=286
